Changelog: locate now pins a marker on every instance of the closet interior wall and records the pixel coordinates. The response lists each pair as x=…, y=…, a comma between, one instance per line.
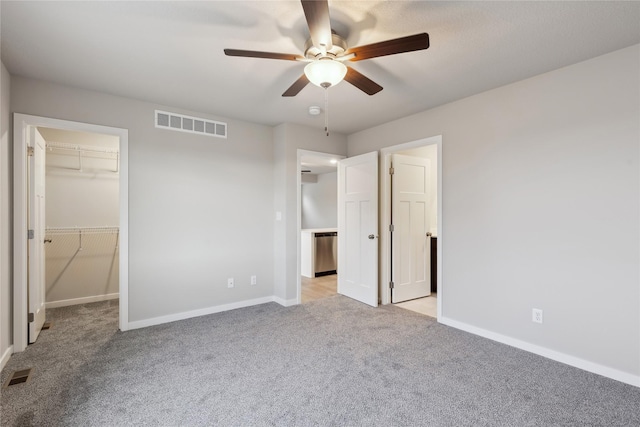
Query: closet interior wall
x=82, y=217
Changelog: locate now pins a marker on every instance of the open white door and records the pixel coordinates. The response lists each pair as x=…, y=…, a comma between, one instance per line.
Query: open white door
x=358, y=228
x=36, y=236
x=410, y=240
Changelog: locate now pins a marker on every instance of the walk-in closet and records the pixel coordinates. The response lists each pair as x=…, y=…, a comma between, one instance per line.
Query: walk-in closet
x=82, y=217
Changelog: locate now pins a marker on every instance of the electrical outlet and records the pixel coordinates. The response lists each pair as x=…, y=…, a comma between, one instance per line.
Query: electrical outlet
x=230, y=282
x=254, y=280
x=536, y=315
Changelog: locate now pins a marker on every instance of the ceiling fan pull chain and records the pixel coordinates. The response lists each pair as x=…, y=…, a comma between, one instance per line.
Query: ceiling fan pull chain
x=326, y=110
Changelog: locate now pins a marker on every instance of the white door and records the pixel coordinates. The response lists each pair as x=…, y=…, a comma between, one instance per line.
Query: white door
x=358, y=228
x=410, y=240
x=36, y=272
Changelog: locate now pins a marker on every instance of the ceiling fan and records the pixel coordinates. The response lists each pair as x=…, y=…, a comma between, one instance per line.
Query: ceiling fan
x=327, y=51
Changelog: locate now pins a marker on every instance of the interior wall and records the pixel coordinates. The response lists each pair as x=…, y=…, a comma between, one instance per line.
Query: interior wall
x=86, y=198
x=541, y=201
x=429, y=152
x=196, y=203
x=319, y=205
x=6, y=180
x=81, y=265
x=288, y=138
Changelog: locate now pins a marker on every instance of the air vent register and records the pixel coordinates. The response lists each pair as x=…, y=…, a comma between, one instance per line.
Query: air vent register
x=182, y=123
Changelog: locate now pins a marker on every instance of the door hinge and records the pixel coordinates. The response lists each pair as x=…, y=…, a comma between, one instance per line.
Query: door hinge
x=391, y=285
x=30, y=234
x=391, y=227
x=391, y=171
x=32, y=317
x=30, y=151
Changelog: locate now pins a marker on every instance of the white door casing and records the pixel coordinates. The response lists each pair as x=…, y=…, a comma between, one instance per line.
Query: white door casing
x=35, y=242
x=410, y=240
x=358, y=228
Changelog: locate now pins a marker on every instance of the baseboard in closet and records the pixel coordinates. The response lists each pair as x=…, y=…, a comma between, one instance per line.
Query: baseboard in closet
x=83, y=300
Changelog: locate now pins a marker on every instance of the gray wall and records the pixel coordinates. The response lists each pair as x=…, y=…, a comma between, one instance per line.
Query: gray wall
x=200, y=208
x=541, y=206
x=319, y=203
x=6, y=180
x=288, y=138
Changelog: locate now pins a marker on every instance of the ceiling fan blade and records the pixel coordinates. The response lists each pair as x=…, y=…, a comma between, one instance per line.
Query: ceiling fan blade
x=297, y=86
x=267, y=55
x=362, y=82
x=318, y=21
x=390, y=47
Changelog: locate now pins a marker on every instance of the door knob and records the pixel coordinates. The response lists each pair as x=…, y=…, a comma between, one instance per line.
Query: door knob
x=47, y=240
x=371, y=236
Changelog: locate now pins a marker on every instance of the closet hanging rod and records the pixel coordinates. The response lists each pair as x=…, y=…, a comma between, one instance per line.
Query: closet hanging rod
x=84, y=230
x=83, y=148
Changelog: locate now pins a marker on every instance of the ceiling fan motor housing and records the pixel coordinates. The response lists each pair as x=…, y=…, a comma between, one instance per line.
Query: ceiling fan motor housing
x=338, y=49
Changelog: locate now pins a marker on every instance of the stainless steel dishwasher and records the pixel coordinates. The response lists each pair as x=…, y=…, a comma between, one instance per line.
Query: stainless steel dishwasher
x=326, y=253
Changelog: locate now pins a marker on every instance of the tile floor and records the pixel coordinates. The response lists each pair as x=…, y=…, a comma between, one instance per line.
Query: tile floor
x=427, y=305
x=319, y=287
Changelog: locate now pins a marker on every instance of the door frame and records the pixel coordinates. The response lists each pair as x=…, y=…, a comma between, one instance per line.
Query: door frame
x=300, y=154
x=21, y=123
x=385, y=215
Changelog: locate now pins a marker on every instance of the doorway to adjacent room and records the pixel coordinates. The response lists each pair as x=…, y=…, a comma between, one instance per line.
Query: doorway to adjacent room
x=317, y=225
x=411, y=226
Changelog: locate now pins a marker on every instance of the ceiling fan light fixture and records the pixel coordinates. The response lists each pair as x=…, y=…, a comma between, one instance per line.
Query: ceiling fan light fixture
x=325, y=72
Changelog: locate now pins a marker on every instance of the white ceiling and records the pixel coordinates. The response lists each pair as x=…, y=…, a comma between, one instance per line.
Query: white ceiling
x=319, y=164
x=172, y=52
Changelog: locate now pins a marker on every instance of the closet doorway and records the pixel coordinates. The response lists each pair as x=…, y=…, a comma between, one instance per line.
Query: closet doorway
x=84, y=233
x=82, y=217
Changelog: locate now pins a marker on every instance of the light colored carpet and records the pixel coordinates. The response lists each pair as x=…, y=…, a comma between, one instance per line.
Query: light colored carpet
x=332, y=362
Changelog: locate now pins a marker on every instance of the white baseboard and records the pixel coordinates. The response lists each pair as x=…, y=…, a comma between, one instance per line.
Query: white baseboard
x=576, y=362
x=285, y=302
x=196, y=313
x=5, y=357
x=76, y=301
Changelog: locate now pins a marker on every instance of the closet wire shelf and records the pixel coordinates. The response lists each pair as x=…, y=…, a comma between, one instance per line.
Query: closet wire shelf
x=82, y=231
x=86, y=151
